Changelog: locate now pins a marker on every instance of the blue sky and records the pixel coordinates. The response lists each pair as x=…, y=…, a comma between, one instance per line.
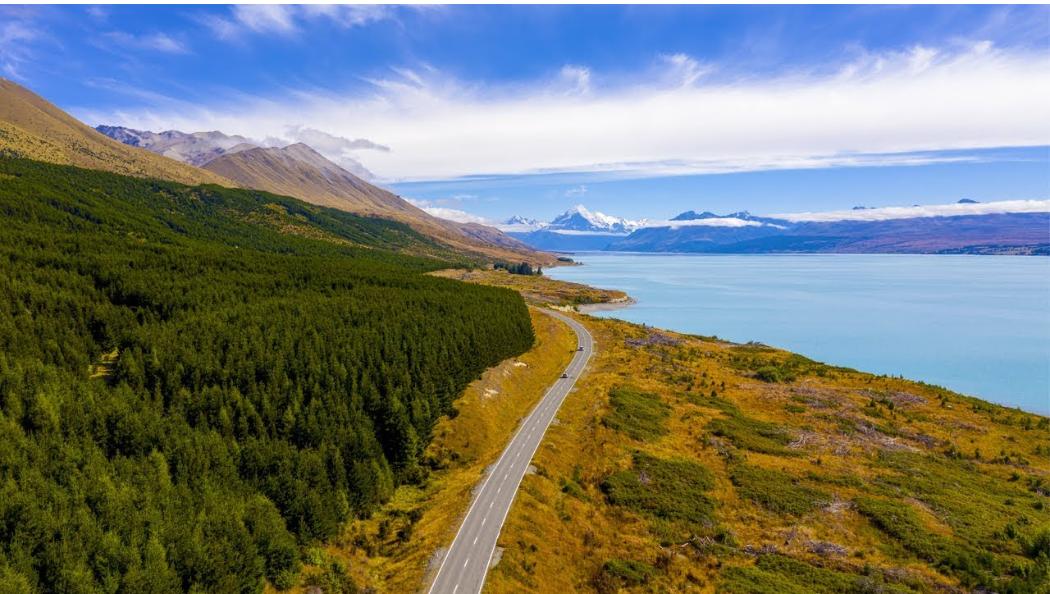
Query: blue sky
x=635, y=111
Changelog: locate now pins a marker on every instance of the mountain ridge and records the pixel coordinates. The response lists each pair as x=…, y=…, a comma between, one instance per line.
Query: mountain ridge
x=963, y=227
x=33, y=128
x=194, y=148
x=298, y=170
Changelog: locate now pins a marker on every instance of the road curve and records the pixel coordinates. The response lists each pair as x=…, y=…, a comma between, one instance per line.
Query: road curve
x=466, y=562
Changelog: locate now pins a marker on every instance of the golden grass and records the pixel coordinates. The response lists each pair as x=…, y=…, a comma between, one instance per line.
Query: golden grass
x=538, y=290
x=556, y=539
x=32, y=128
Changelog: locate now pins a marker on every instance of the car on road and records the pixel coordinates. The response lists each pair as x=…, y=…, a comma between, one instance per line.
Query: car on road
x=564, y=376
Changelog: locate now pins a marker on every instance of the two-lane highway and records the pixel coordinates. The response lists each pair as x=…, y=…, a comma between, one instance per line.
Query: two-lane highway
x=466, y=563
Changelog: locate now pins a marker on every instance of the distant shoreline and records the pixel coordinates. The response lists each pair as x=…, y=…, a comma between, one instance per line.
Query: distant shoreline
x=615, y=304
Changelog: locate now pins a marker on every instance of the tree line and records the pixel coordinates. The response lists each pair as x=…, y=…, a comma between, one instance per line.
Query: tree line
x=523, y=268
x=197, y=382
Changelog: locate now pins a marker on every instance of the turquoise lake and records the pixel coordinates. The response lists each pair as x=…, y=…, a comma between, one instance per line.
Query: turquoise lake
x=979, y=325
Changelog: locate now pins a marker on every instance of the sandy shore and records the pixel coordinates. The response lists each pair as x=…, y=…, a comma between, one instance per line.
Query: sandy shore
x=607, y=306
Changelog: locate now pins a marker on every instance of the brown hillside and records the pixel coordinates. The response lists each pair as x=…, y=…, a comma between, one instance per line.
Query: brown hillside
x=299, y=171
x=33, y=128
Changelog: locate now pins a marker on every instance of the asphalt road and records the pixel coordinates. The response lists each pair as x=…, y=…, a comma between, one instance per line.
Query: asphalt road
x=466, y=562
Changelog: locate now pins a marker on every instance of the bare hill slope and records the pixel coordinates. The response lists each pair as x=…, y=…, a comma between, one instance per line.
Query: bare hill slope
x=33, y=128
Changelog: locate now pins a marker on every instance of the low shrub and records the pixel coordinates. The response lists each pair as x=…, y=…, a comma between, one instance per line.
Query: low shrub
x=751, y=434
x=618, y=573
x=667, y=489
x=779, y=574
x=640, y=415
x=776, y=491
x=899, y=521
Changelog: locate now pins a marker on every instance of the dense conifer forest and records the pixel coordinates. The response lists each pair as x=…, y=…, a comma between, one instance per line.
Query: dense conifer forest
x=195, y=382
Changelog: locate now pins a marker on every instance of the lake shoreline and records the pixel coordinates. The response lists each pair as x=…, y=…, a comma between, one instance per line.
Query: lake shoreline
x=620, y=303
x=891, y=316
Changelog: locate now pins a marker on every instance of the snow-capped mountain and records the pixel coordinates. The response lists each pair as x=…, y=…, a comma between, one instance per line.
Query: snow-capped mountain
x=197, y=148
x=575, y=229
x=1004, y=227
x=520, y=224
x=520, y=220
x=580, y=220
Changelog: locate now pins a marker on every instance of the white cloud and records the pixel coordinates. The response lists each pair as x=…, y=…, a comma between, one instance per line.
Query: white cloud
x=577, y=78
x=326, y=142
x=450, y=214
x=911, y=212
x=579, y=190
x=99, y=13
x=349, y=15
x=602, y=233
x=285, y=20
x=15, y=35
x=887, y=108
x=265, y=18
x=160, y=42
x=453, y=214
x=519, y=227
x=684, y=70
x=340, y=149
x=718, y=222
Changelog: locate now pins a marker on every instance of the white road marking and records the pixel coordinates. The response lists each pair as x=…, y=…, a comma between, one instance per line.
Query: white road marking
x=466, y=561
x=541, y=419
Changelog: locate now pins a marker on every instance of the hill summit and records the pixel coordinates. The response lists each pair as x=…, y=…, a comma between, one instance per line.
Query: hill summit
x=33, y=128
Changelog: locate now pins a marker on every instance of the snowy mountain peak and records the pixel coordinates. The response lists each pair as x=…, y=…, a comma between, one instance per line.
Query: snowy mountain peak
x=580, y=219
x=520, y=220
x=197, y=148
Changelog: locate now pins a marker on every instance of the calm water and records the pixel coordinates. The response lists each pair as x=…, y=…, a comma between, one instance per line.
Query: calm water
x=979, y=325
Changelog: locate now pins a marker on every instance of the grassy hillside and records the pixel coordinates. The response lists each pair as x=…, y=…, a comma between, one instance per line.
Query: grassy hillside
x=33, y=128
x=298, y=170
x=685, y=463
x=198, y=383
x=536, y=289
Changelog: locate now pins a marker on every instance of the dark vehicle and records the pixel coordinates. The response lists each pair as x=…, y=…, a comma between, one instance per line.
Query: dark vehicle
x=579, y=348
x=564, y=376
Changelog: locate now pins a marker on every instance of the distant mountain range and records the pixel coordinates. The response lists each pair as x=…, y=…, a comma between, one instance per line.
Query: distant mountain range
x=577, y=229
x=197, y=148
x=1013, y=227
